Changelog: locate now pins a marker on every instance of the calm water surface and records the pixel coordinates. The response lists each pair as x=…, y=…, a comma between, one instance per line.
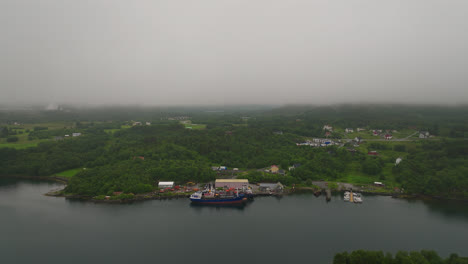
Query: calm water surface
x=294, y=229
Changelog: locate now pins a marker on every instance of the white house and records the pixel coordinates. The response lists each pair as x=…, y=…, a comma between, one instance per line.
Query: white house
x=424, y=134
x=148, y=123
x=349, y=130
x=327, y=127
x=165, y=184
x=76, y=134
x=360, y=129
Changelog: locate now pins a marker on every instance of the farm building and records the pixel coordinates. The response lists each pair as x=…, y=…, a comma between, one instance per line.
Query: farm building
x=232, y=183
x=168, y=184
x=379, y=184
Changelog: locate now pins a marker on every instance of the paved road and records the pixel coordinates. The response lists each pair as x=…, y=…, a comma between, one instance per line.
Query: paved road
x=407, y=138
x=341, y=185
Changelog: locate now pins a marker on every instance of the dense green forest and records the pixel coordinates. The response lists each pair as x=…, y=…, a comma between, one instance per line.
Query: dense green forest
x=401, y=257
x=113, y=155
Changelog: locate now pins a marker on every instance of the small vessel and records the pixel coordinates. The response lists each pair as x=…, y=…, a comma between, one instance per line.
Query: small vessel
x=357, y=198
x=346, y=196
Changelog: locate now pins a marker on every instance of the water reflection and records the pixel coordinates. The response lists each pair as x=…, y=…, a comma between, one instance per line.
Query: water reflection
x=448, y=209
x=8, y=183
x=199, y=207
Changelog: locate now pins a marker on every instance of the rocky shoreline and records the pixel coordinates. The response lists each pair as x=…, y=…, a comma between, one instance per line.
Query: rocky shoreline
x=157, y=196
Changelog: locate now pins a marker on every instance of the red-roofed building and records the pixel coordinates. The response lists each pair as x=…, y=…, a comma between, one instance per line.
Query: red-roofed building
x=372, y=153
x=274, y=169
x=388, y=136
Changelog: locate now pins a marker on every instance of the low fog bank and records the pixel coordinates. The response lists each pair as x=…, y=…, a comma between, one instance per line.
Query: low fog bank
x=211, y=107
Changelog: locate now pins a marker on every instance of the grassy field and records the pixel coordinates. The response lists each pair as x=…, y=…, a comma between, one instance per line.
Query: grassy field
x=23, y=141
x=68, y=173
x=21, y=145
x=55, y=125
x=367, y=134
x=356, y=178
x=111, y=131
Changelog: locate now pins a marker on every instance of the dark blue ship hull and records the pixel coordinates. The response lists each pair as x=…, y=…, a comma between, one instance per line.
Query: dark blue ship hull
x=234, y=200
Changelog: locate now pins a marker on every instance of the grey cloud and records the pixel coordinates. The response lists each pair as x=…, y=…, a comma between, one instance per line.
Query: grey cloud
x=219, y=51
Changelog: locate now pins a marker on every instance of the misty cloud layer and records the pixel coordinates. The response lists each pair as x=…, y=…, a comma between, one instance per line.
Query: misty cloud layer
x=231, y=52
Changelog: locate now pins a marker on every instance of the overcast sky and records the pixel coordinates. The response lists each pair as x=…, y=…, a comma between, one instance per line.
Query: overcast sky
x=233, y=51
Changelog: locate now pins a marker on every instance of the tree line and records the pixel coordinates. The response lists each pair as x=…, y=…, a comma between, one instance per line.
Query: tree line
x=401, y=257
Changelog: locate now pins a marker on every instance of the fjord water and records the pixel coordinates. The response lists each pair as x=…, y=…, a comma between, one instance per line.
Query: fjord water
x=294, y=229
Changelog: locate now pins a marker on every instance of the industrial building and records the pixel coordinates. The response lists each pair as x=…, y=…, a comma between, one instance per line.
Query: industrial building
x=232, y=183
x=168, y=184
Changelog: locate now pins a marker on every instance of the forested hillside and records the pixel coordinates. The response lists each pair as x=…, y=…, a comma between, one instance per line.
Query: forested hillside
x=117, y=155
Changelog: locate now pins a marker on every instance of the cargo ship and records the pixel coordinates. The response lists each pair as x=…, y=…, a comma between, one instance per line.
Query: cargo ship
x=210, y=197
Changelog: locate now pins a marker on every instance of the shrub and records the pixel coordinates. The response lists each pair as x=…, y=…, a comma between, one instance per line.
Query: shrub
x=99, y=197
x=333, y=185
x=37, y=128
x=399, y=148
x=12, y=139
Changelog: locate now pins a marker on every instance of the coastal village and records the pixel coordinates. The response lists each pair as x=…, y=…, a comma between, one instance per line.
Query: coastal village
x=352, y=139
x=229, y=180
x=241, y=187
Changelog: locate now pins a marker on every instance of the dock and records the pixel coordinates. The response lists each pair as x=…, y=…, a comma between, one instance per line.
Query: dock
x=328, y=194
x=351, y=197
